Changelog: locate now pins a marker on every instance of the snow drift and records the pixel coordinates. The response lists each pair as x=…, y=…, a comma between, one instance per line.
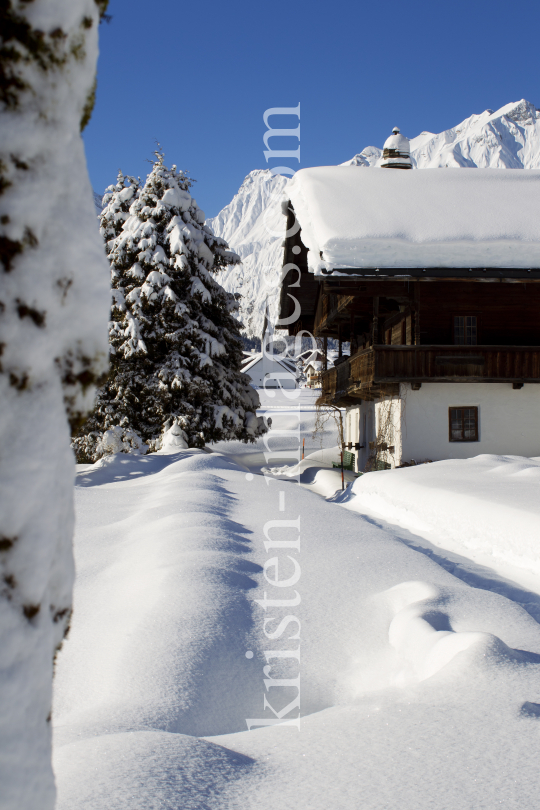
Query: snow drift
x=416, y=689
x=487, y=503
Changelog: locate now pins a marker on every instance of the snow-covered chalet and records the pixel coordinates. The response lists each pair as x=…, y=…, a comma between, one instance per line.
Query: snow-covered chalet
x=269, y=371
x=433, y=275
x=313, y=362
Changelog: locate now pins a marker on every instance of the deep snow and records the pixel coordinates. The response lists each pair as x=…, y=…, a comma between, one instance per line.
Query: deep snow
x=485, y=218
x=417, y=690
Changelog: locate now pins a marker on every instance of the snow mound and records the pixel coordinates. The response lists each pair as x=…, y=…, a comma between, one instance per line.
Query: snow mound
x=316, y=472
x=162, y=555
x=121, y=467
x=400, y=662
x=162, y=770
x=422, y=635
x=487, y=503
x=173, y=439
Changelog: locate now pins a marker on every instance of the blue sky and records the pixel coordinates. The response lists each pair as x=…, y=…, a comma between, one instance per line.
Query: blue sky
x=198, y=77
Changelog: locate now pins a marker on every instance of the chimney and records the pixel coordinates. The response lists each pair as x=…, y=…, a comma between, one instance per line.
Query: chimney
x=396, y=152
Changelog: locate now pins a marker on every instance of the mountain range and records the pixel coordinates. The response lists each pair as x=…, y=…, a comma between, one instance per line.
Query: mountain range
x=253, y=225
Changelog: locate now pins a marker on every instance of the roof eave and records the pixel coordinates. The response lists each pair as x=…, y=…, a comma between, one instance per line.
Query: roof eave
x=446, y=273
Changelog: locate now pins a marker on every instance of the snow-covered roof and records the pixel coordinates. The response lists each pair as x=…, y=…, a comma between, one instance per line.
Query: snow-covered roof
x=420, y=218
x=309, y=354
x=287, y=364
x=311, y=358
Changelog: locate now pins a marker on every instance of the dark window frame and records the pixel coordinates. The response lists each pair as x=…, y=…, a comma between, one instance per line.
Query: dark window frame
x=462, y=408
x=465, y=315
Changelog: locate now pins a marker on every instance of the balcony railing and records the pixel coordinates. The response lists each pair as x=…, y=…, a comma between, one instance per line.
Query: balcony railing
x=416, y=364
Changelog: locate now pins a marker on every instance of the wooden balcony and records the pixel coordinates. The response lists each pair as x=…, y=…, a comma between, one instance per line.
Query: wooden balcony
x=330, y=308
x=367, y=372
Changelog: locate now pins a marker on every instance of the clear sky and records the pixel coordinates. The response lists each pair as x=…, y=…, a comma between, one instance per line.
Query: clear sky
x=198, y=77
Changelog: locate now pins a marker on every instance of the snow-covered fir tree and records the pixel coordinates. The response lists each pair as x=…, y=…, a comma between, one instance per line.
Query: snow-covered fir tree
x=175, y=342
x=116, y=203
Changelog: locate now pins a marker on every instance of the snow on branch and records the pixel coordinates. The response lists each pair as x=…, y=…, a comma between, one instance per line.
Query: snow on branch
x=176, y=350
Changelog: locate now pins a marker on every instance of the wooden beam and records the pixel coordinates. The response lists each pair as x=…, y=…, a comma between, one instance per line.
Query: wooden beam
x=375, y=326
x=521, y=274
x=360, y=288
x=416, y=320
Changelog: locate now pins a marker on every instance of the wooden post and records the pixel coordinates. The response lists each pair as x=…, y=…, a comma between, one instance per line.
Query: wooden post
x=340, y=350
x=375, y=329
x=416, y=314
x=325, y=349
x=303, y=448
x=351, y=334
x=342, y=444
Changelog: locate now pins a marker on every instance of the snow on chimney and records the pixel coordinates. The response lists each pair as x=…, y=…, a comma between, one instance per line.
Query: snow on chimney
x=396, y=152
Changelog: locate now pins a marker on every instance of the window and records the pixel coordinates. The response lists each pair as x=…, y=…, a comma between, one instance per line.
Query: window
x=465, y=330
x=463, y=424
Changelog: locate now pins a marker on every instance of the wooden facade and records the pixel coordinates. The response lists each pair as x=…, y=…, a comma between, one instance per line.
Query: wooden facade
x=368, y=372
x=299, y=291
x=407, y=325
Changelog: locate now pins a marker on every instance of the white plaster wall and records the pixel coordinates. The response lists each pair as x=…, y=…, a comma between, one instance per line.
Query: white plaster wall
x=388, y=421
x=360, y=428
x=508, y=420
x=353, y=425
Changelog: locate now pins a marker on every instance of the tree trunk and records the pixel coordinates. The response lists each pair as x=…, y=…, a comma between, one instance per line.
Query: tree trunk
x=53, y=338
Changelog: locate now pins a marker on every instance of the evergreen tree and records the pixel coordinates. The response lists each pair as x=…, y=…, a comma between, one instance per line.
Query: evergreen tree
x=116, y=203
x=175, y=343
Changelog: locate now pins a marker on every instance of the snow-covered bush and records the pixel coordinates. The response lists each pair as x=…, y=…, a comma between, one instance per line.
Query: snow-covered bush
x=120, y=440
x=175, y=342
x=53, y=347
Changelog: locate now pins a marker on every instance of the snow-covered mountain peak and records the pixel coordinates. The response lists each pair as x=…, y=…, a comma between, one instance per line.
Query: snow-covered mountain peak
x=367, y=157
x=508, y=138
x=520, y=111
x=254, y=223
x=253, y=198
